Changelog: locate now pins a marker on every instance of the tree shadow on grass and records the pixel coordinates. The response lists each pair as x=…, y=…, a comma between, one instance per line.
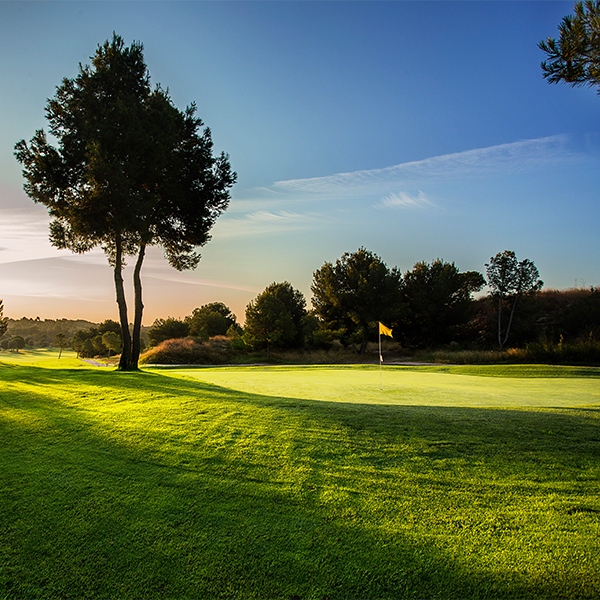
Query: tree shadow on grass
x=255, y=508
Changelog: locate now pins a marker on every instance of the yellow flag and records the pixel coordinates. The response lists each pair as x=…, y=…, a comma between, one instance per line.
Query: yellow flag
x=383, y=330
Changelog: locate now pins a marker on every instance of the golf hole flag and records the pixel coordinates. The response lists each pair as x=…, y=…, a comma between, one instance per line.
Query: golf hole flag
x=383, y=330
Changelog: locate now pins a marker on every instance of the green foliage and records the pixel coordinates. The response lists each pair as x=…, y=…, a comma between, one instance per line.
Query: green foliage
x=189, y=351
x=509, y=280
x=581, y=352
x=42, y=333
x=210, y=319
x=575, y=57
x=570, y=314
x=268, y=323
x=166, y=329
x=3, y=320
x=130, y=171
x=356, y=292
x=275, y=318
x=438, y=303
x=89, y=342
x=112, y=341
x=61, y=341
x=16, y=343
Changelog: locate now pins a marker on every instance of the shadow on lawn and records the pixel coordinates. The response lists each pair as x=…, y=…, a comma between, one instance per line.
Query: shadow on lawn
x=87, y=515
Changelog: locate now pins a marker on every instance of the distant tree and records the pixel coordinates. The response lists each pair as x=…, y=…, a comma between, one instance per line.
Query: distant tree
x=356, y=292
x=109, y=325
x=508, y=280
x=112, y=341
x=167, y=329
x=295, y=304
x=269, y=323
x=130, y=171
x=42, y=333
x=87, y=348
x=210, y=319
x=316, y=334
x=16, y=343
x=79, y=338
x=3, y=320
x=437, y=299
x=60, y=340
x=575, y=57
x=99, y=348
x=88, y=342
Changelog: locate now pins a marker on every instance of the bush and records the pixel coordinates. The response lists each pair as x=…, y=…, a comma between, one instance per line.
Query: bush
x=167, y=329
x=583, y=352
x=188, y=351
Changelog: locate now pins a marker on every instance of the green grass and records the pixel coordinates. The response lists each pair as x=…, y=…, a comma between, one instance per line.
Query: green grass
x=451, y=482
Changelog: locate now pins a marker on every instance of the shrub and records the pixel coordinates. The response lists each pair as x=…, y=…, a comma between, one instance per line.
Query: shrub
x=167, y=329
x=582, y=352
x=187, y=351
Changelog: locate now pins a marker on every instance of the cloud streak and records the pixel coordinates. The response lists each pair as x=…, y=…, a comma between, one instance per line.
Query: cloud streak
x=505, y=158
x=404, y=200
x=265, y=223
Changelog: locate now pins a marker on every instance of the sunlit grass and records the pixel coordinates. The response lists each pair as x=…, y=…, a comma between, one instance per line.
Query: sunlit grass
x=164, y=485
x=49, y=359
x=513, y=386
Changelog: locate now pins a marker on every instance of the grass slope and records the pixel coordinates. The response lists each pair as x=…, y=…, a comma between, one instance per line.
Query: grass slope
x=161, y=485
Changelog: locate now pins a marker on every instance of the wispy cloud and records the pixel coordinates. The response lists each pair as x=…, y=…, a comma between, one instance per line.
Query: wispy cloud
x=24, y=235
x=55, y=277
x=164, y=277
x=505, y=158
x=265, y=223
x=405, y=200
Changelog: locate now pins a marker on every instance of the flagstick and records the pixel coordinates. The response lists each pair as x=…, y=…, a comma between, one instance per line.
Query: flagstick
x=380, y=365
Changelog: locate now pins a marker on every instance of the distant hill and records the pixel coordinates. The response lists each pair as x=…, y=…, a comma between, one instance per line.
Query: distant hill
x=41, y=333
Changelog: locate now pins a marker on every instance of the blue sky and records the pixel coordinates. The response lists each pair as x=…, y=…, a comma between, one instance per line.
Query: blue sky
x=416, y=129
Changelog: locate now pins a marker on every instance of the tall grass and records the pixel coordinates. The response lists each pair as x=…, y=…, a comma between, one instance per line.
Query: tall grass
x=573, y=353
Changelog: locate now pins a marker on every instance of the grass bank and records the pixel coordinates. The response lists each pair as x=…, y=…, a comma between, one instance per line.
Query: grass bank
x=274, y=483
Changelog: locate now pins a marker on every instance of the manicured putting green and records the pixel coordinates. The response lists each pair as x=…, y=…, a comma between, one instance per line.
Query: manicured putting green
x=413, y=386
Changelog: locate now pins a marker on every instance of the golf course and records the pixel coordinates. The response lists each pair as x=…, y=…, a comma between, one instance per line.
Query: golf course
x=298, y=482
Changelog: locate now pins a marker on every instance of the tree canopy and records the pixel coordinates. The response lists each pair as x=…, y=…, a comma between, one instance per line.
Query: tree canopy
x=510, y=279
x=356, y=292
x=575, y=57
x=130, y=171
x=167, y=329
x=3, y=319
x=275, y=318
x=210, y=319
x=437, y=299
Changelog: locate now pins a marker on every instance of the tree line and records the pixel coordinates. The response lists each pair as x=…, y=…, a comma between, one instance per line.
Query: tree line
x=431, y=305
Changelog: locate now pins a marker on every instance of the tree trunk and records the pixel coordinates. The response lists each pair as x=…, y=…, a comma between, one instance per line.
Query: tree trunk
x=500, y=322
x=365, y=340
x=125, y=361
x=139, y=308
x=512, y=312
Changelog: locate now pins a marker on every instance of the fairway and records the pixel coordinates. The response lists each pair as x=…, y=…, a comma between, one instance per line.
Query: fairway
x=298, y=483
